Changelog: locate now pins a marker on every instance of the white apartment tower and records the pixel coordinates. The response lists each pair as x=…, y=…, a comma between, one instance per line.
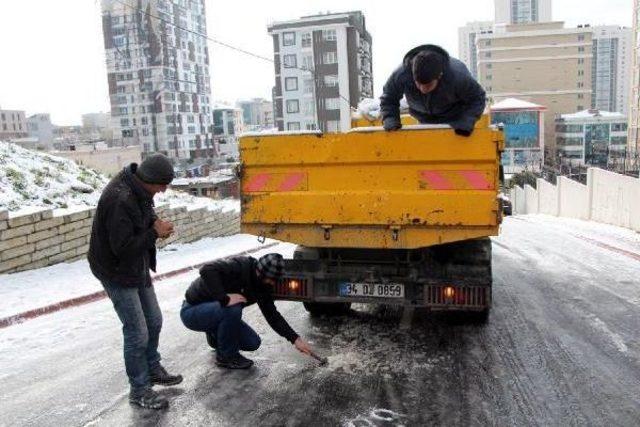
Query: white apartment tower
x=467, y=48
x=634, y=95
x=611, y=68
x=522, y=11
x=323, y=69
x=158, y=75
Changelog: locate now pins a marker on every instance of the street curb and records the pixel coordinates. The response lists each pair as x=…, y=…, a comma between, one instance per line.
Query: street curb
x=15, y=319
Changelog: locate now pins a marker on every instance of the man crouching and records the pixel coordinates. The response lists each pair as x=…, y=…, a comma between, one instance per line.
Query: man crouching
x=214, y=302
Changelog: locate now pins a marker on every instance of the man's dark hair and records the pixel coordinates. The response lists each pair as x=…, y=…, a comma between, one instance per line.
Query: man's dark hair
x=427, y=66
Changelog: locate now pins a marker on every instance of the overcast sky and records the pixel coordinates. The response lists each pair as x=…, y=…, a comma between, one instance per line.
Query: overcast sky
x=53, y=55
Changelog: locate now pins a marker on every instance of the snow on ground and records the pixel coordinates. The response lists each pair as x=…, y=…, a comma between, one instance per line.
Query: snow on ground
x=33, y=289
x=612, y=235
x=32, y=181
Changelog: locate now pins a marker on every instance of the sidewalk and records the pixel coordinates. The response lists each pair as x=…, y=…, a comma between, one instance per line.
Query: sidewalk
x=34, y=289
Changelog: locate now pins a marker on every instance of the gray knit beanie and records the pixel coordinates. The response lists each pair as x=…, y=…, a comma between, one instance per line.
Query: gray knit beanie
x=271, y=266
x=156, y=169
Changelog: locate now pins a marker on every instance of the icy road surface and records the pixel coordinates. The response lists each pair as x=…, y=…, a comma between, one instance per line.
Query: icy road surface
x=561, y=348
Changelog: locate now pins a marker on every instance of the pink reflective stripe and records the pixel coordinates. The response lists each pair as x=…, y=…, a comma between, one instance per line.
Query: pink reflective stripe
x=477, y=180
x=258, y=182
x=291, y=182
x=436, y=180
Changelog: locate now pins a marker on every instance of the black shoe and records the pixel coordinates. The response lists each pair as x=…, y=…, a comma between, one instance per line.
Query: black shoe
x=237, y=361
x=211, y=340
x=149, y=399
x=160, y=376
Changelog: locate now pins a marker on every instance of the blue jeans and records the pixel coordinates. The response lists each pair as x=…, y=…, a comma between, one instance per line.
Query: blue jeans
x=141, y=319
x=224, y=323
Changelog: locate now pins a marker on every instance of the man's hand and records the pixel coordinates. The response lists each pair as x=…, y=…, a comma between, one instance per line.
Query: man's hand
x=391, y=124
x=302, y=346
x=236, y=299
x=163, y=228
x=463, y=132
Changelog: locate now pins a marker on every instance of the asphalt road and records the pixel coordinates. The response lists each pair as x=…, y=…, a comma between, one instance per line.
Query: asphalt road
x=561, y=348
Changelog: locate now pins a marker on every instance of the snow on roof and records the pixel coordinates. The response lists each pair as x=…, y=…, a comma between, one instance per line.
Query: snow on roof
x=516, y=104
x=224, y=107
x=214, y=178
x=588, y=114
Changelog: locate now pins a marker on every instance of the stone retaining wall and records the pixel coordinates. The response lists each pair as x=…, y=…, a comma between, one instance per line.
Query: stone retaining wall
x=43, y=238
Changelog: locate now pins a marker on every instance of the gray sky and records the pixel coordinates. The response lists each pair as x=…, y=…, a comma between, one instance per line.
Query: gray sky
x=53, y=55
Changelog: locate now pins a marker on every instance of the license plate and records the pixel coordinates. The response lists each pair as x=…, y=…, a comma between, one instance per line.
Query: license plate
x=377, y=290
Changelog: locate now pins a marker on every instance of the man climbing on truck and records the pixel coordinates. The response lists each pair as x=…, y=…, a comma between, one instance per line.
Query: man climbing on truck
x=439, y=89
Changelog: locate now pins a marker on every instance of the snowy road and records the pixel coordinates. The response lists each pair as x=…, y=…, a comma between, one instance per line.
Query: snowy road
x=562, y=347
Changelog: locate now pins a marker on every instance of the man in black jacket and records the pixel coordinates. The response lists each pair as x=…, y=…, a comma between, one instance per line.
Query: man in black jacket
x=121, y=252
x=214, y=302
x=439, y=89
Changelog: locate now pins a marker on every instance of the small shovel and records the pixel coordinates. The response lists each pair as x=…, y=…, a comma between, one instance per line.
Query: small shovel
x=323, y=360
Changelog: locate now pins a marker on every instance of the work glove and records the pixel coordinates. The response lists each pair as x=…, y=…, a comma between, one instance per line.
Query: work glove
x=391, y=124
x=463, y=132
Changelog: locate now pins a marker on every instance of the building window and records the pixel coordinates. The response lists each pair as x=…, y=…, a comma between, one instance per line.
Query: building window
x=307, y=62
x=293, y=106
x=580, y=37
x=288, y=39
x=332, y=103
x=333, y=126
x=307, y=86
x=581, y=49
x=291, y=83
x=580, y=96
x=580, y=84
x=330, y=57
x=487, y=43
x=124, y=122
x=293, y=126
x=329, y=35
x=290, y=61
x=489, y=77
x=306, y=39
x=581, y=72
x=580, y=108
x=487, y=54
x=489, y=66
x=311, y=126
x=331, y=80
x=309, y=107
x=581, y=61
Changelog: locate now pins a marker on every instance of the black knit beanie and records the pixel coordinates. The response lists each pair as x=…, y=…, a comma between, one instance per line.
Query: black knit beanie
x=156, y=169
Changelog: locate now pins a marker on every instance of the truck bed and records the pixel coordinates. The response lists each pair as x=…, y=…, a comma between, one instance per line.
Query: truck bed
x=417, y=187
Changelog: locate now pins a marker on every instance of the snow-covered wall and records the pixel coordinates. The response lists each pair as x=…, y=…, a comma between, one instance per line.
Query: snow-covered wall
x=531, y=199
x=608, y=197
x=573, y=199
x=615, y=198
x=45, y=237
x=548, y=198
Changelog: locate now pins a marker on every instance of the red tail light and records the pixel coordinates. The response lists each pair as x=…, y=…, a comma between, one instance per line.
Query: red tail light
x=291, y=287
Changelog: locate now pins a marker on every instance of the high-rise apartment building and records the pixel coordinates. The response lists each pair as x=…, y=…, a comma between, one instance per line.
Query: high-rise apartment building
x=543, y=63
x=522, y=11
x=634, y=95
x=611, y=74
x=467, y=49
x=323, y=69
x=158, y=75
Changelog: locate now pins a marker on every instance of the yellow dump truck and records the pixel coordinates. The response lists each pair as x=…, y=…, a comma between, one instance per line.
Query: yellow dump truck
x=380, y=217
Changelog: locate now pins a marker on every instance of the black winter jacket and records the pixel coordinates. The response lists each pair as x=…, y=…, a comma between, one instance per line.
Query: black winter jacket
x=458, y=100
x=122, y=246
x=237, y=275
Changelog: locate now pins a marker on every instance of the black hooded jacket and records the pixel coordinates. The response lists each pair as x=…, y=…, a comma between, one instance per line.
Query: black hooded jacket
x=458, y=100
x=237, y=275
x=122, y=248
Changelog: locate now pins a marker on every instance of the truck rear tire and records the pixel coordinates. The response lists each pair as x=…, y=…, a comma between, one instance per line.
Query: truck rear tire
x=327, y=308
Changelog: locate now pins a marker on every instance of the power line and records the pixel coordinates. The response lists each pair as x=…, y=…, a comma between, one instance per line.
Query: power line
x=227, y=45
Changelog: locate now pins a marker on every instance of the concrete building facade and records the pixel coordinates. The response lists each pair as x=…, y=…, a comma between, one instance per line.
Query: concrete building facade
x=227, y=127
x=40, y=127
x=467, y=49
x=591, y=137
x=543, y=63
x=522, y=11
x=13, y=124
x=257, y=114
x=611, y=74
x=158, y=75
x=323, y=69
x=633, y=140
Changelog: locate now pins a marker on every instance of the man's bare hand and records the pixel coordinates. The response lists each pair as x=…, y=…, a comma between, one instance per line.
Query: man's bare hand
x=302, y=346
x=163, y=228
x=236, y=299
